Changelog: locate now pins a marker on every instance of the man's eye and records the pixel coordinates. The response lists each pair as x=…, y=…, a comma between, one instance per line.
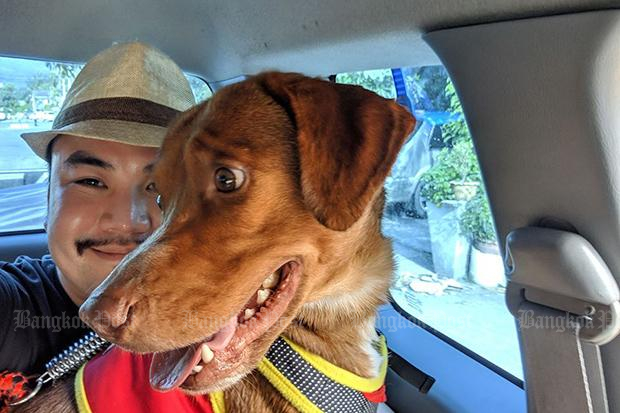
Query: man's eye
x=91, y=182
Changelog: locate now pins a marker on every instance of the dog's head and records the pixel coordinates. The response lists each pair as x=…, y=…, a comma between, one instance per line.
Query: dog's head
x=269, y=192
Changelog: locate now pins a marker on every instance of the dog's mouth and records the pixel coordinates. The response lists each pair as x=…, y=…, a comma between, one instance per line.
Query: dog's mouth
x=207, y=360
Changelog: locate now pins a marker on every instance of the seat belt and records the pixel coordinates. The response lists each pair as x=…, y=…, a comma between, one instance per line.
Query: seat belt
x=555, y=359
x=566, y=304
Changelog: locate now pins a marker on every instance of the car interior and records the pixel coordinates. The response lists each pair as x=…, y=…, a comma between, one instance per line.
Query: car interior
x=539, y=85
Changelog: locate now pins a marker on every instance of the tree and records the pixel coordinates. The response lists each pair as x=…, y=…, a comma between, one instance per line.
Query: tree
x=457, y=130
x=62, y=75
x=12, y=99
x=426, y=87
x=457, y=161
x=378, y=81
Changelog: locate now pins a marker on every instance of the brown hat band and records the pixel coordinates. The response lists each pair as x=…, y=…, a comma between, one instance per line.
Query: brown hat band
x=120, y=108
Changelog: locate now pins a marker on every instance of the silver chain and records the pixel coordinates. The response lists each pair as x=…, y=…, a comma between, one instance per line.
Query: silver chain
x=70, y=359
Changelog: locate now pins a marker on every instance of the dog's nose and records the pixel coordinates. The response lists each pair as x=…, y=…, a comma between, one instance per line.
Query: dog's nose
x=106, y=313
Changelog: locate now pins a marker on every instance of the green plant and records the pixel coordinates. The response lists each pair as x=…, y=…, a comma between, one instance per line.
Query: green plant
x=455, y=162
x=457, y=130
x=379, y=81
x=12, y=99
x=476, y=221
x=426, y=86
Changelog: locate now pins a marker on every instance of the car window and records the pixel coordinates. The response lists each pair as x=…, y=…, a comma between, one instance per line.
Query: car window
x=450, y=275
x=200, y=87
x=31, y=93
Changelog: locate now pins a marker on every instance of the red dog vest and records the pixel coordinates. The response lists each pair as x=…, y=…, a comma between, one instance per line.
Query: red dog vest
x=117, y=381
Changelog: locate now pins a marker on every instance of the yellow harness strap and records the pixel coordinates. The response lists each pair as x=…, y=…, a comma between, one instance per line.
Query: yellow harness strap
x=314, y=385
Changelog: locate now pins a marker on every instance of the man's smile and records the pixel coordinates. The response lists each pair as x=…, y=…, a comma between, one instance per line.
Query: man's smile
x=111, y=252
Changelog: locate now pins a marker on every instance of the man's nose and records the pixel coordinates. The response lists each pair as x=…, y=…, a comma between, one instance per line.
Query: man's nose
x=108, y=313
x=127, y=213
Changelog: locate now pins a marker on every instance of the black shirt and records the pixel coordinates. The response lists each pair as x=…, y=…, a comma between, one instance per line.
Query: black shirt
x=37, y=318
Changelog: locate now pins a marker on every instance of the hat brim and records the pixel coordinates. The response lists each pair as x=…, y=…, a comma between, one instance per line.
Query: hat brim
x=130, y=133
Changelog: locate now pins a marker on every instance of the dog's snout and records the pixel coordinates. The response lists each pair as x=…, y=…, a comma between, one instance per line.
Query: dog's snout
x=107, y=314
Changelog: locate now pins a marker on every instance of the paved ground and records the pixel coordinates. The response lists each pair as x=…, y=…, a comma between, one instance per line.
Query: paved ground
x=21, y=207
x=410, y=238
x=15, y=154
x=474, y=316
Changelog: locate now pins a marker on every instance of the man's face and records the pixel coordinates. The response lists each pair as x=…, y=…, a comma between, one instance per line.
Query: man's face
x=100, y=207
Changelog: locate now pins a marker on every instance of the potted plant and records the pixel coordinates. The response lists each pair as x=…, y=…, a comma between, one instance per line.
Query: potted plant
x=466, y=166
x=456, y=167
x=447, y=185
x=455, y=164
x=477, y=223
x=486, y=266
x=466, y=186
x=455, y=174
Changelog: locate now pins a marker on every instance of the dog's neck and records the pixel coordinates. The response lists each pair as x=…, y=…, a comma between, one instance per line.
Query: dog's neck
x=353, y=348
x=340, y=327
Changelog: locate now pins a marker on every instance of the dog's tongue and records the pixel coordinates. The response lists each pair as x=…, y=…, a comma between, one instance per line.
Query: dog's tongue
x=220, y=340
x=170, y=369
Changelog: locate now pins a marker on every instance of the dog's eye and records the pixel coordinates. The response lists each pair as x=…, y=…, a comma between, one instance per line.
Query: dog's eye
x=228, y=180
x=159, y=202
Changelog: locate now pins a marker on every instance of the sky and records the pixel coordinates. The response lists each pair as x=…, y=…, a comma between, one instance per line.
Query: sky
x=19, y=71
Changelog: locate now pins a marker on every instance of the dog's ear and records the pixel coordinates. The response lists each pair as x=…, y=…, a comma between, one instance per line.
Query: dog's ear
x=348, y=140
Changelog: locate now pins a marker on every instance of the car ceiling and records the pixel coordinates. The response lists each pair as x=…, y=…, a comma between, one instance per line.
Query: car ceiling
x=220, y=40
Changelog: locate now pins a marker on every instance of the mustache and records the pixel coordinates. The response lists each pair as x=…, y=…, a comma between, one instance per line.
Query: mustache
x=83, y=244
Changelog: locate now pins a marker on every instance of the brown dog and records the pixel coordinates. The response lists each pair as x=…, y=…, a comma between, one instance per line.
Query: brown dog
x=272, y=199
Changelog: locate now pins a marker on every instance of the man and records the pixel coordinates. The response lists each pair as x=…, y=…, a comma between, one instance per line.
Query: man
x=101, y=204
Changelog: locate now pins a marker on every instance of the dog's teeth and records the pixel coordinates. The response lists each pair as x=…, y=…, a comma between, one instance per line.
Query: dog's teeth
x=197, y=369
x=249, y=313
x=272, y=280
x=262, y=296
x=207, y=354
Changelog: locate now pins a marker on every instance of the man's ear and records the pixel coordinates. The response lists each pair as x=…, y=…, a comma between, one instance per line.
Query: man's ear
x=348, y=139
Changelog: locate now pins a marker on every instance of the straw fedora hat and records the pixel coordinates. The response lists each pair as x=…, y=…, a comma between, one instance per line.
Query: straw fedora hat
x=128, y=93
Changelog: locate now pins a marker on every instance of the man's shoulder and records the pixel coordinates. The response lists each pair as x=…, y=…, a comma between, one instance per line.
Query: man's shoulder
x=25, y=268
x=37, y=318
x=31, y=280
x=26, y=261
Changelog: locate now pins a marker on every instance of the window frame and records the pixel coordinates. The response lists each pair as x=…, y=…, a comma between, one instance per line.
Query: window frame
x=456, y=345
